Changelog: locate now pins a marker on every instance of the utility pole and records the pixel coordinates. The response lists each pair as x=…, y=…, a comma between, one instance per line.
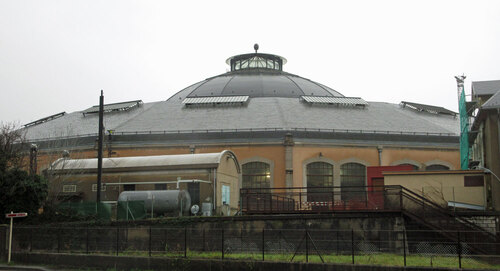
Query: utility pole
x=99, y=148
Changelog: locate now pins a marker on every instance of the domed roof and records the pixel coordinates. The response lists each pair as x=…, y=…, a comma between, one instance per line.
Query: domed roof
x=259, y=75
x=256, y=99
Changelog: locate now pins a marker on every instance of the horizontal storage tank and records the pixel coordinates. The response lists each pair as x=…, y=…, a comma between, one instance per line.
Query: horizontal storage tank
x=161, y=201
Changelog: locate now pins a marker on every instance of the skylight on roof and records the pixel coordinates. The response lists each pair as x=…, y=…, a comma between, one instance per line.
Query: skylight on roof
x=42, y=120
x=115, y=107
x=428, y=108
x=217, y=100
x=339, y=101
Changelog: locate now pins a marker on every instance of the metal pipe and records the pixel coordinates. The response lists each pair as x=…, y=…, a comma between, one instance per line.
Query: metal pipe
x=10, y=237
x=379, y=149
x=165, y=182
x=215, y=190
x=487, y=170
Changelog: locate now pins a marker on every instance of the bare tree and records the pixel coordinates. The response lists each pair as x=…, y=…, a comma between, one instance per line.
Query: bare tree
x=12, y=144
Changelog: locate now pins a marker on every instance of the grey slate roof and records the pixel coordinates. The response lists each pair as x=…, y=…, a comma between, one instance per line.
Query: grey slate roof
x=493, y=102
x=286, y=113
x=76, y=124
x=274, y=104
x=258, y=113
x=485, y=87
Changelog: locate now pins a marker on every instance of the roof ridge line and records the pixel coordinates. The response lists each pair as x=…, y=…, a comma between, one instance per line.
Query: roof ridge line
x=175, y=94
x=295, y=84
x=227, y=83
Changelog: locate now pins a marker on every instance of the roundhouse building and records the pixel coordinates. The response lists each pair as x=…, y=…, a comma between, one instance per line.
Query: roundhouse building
x=286, y=130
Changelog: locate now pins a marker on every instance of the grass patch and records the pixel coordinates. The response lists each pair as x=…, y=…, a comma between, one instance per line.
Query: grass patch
x=383, y=259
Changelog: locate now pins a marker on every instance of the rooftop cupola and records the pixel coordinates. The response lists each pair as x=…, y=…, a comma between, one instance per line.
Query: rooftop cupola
x=256, y=61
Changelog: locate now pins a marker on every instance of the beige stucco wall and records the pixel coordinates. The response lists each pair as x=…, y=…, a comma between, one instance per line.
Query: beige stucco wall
x=227, y=174
x=368, y=156
x=492, y=153
x=421, y=157
x=273, y=152
x=302, y=154
x=441, y=187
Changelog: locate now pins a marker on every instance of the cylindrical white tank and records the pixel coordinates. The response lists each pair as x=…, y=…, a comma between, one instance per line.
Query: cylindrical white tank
x=161, y=201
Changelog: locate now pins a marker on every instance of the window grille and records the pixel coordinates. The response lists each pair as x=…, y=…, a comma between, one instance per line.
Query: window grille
x=256, y=175
x=69, y=188
x=94, y=187
x=319, y=174
x=352, y=181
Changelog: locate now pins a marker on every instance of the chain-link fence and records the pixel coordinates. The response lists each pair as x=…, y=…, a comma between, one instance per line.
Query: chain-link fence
x=100, y=210
x=380, y=247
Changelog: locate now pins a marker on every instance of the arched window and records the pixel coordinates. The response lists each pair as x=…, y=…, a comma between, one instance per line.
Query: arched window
x=353, y=181
x=436, y=167
x=256, y=175
x=319, y=174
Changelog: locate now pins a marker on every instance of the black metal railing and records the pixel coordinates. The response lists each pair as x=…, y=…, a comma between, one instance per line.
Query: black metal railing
x=320, y=199
x=446, y=222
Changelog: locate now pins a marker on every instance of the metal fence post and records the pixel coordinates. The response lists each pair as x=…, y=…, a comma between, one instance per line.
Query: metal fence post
x=165, y=247
x=87, y=240
x=300, y=200
x=263, y=245
x=352, y=245
x=404, y=246
x=279, y=242
x=117, y=239
x=307, y=247
x=337, y=242
x=185, y=241
x=126, y=237
x=459, y=250
x=271, y=204
x=204, y=239
x=59, y=240
x=222, y=242
x=333, y=201
x=31, y=239
x=149, y=241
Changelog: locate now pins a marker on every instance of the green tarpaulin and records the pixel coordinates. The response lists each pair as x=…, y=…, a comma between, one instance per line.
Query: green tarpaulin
x=464, y=132
x=101, y=210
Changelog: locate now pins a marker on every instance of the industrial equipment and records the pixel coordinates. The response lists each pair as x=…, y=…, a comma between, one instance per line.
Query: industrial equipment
x=160, y=201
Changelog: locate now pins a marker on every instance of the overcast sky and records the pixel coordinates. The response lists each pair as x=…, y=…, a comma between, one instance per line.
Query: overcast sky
x=57, y=55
